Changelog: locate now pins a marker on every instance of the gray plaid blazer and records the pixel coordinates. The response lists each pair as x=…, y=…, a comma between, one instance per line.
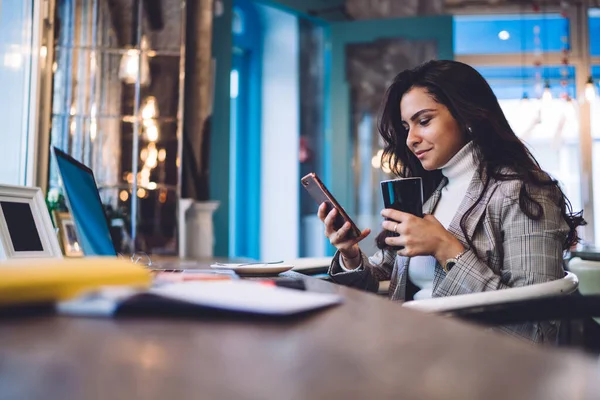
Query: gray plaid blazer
x=510, y=250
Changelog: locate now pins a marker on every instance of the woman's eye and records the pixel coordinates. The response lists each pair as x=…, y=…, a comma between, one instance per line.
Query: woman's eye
x=424, y=122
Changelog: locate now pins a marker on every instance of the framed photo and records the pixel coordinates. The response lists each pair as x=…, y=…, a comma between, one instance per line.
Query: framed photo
x=67, y=234
x=26, y=229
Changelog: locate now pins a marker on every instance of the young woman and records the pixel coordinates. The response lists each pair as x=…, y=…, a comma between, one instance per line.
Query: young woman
x=493, y=219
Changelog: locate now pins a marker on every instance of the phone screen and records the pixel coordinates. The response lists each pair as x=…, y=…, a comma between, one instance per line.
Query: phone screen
x=320, y=194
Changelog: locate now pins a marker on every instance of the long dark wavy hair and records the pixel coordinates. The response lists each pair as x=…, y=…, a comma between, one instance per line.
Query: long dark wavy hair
x=473, y=104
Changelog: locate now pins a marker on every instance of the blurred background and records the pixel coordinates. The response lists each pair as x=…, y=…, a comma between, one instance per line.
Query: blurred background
x=233, y=101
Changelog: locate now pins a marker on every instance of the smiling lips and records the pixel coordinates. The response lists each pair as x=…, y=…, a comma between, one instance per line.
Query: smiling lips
x=421, y=153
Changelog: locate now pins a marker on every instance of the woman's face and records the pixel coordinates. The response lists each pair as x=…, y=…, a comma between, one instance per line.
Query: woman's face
x=433, y=134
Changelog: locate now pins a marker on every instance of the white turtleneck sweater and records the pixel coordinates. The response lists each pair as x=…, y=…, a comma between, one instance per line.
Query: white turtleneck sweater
x=459, y=171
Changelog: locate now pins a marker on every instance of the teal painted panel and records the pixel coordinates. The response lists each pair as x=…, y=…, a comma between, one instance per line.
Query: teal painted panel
x=220, y=140
x=315, y=10
x=245, y=212
x=338, y=169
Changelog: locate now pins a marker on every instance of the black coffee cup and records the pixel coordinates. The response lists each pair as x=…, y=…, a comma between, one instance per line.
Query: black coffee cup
x=405, y=194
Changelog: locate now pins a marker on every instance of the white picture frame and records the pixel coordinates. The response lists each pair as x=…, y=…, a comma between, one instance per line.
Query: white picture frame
x=21, y=242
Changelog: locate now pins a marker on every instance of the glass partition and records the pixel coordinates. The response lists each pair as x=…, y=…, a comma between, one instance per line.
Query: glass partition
x=116, y=99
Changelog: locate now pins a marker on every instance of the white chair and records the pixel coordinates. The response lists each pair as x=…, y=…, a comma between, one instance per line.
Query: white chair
x=559, y=287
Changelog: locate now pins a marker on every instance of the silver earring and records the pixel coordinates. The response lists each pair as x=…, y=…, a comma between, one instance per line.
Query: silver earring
x=469, y=129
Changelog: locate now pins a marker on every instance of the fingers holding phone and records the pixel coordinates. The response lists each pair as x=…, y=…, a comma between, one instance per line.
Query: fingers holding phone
x=342, y=237
x=341, y=231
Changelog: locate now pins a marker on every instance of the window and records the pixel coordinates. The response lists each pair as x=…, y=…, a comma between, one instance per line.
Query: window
x=115, y=107
x=594, y=28
x=511, y=82
x=502, y=49
x=501, y=34
x=18, y=66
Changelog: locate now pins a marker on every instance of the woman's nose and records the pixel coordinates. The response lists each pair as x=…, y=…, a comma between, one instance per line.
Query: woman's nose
x=412, y=138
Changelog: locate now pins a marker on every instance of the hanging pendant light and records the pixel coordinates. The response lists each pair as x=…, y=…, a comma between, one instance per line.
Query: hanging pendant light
x=590, y=90
x=134, y=63
x=547, y=94
x=525, y=97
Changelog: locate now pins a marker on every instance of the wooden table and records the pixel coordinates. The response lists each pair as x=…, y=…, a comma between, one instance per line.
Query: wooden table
x=367, y=348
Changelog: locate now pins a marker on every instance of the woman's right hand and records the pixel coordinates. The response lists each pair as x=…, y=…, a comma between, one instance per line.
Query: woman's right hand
x=346, y=245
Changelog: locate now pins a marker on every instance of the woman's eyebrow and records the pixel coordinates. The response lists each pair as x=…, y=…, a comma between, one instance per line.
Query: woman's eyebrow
x=418, y=114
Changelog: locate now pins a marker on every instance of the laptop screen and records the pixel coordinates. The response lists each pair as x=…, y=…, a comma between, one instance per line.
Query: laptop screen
x=85, y=206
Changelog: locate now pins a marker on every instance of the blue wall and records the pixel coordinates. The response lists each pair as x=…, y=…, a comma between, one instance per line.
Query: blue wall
x=245, y=215
x=338, y=174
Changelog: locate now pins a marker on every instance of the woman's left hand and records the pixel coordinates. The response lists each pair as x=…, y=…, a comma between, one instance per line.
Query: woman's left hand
x=420, y=236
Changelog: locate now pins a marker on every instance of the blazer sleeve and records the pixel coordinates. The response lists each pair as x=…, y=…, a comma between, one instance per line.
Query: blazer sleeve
x=532, y=249
x=372, y=269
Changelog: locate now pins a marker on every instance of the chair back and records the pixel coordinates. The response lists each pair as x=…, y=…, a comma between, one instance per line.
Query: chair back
x=565, y=286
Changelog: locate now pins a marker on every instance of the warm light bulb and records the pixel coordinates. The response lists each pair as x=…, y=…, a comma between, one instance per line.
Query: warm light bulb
x=152, y=159
x=152, y=133
x=150, y=108
x=93, y=129
x=144, y=154
x=144, y=176
x=162, y=154
x=590, y=90
x=162, y=197
x=129, y=68
x=376, y=162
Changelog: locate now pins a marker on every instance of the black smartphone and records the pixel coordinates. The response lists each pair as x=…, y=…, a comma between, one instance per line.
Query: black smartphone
x=317, y=190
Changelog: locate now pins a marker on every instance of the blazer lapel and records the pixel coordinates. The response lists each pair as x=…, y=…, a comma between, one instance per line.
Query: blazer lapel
x=470, y=200
x=433, y=200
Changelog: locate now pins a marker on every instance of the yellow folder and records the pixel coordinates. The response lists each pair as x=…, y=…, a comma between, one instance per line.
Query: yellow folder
x=47, y=280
